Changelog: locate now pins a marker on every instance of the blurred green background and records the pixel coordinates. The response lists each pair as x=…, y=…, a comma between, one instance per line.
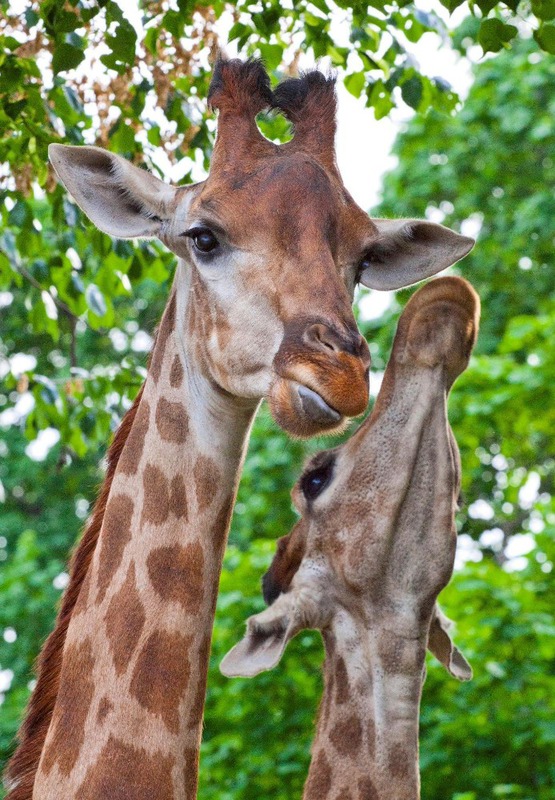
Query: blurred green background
x=77, y=310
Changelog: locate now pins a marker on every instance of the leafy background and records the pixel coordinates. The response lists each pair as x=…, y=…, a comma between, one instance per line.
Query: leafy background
x=77, y=310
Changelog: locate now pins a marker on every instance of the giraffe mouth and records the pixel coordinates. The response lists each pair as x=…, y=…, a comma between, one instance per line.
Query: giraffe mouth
x=316, y=407
x=301, y=411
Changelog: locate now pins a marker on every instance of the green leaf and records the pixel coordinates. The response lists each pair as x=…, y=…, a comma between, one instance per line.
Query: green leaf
x=451, y=5
x=66, y=56
x=486, y=6
x=544, y=9
x=411, y=91
x=271, y=55
x=545, y=37
x=122, y=45
x=380, y=99
x=494, y=34
x=355, y=83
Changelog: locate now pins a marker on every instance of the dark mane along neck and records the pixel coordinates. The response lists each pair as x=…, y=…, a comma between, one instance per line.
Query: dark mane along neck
x=21, y=770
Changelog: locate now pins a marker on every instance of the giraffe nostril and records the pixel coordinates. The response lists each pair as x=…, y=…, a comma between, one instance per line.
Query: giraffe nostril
x=322, y=337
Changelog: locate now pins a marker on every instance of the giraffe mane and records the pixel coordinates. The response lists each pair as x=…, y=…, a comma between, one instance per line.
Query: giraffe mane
x=22, y=768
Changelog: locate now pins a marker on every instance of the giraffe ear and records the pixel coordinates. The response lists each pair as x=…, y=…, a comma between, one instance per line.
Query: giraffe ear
x=121, y=199
x=408, y=250
x=441, y=645
x=262, y=646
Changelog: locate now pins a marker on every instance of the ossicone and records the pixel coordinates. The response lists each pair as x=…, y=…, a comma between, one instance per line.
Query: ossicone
x=310, y=104
x=240, y=87
x=307, y=98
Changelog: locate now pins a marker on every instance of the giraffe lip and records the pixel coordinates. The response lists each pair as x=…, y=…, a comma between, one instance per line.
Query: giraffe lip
x=316, y=407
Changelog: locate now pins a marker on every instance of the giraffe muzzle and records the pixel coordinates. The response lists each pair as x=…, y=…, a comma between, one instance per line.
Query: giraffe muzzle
x=321, y=378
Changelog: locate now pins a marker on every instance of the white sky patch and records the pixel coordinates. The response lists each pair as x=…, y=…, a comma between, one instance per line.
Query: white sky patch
x=376, y=380
x=142, y=342
x=520, y=545
x=118, y=339
x=492, y=538
x=467, y=550
x=14, y=415
x=6, y=299
x=81, y=507
x=480, y=509
x=6, y=678
x=499, y=462
x=61, y=581
x=472, y=225
x=49, y=305
x=74, y=258
x=373, y=304
x=22, y=362
x=10, y=635
x=516, y=564
x=38, y=449
x=536, y=523
x=528, y=493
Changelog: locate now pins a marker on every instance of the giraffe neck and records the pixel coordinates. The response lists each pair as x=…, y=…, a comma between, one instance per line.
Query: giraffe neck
x=366, y=743
x=128, y=716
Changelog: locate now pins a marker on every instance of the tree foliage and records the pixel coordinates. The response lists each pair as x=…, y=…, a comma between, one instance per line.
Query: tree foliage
x=77, y=310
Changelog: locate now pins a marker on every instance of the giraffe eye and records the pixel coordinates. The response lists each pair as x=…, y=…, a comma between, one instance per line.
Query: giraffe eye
x=203, y=239
x=314, y=482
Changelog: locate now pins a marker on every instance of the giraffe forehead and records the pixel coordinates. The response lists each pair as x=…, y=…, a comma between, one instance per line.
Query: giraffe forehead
x=286, y=192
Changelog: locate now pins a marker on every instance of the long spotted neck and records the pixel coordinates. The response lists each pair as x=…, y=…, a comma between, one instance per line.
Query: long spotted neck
x=366, y=744
x=128, y=716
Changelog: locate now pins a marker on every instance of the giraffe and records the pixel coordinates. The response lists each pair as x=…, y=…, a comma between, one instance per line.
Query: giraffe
x=117, y=709
x=367, y=560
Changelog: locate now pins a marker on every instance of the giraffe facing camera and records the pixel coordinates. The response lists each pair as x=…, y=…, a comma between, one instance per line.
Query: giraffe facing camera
x=365, y=563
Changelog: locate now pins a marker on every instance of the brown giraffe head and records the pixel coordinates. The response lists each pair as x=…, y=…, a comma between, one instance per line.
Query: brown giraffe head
x=272, y=246
x=376, y=541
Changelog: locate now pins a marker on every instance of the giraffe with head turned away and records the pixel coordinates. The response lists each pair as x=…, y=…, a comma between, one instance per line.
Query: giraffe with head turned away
x=367, y=560
x=269, y=249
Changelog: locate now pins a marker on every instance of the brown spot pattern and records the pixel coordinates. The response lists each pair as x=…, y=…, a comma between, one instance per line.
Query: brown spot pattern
x=70, y=714
x=318, y=784
x=116, y=532
x=346, y=736
x=172, y=421
x=197, y=709
x=341, y=682
x=401, y=764
x=344, y=794
x=220, y=527
x=367, y=790
x=83, y=599
x=206, y=475
x=104, y=708
x=178, y=498
x=177, y=573
x=125, y=619
x=166, y=327
x=135, y=442
x=161, y=675
x=123, y=772
x=190, y=772
x=176, y=373
x=371, y=737
x=156, y=496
